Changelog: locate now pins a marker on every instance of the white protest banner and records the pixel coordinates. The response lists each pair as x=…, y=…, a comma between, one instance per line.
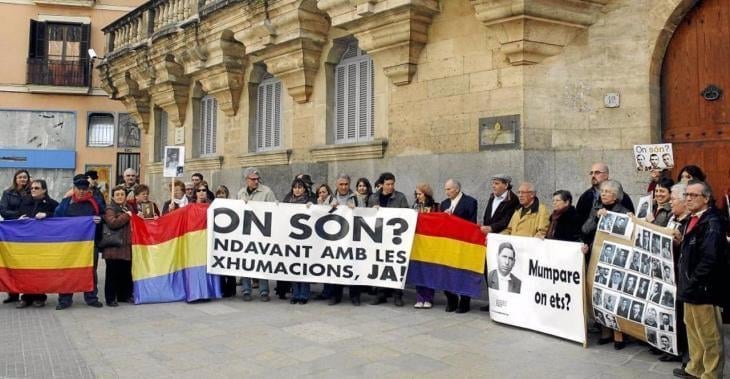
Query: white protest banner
x=653, y=157
x=293, y=242
x=537, y=284
x=174, y=161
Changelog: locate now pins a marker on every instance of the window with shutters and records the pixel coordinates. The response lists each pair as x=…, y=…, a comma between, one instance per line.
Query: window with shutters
x=101, y=130
x=268, y=114
x=208, y=125
x=354, y=101
x=57, y=54
x=160, y=133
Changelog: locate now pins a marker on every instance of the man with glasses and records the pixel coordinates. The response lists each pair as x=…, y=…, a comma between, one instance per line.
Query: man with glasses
x=531, y=219
x=592, y=196
x=701, y=284
x=344, y=196
x=255, y=191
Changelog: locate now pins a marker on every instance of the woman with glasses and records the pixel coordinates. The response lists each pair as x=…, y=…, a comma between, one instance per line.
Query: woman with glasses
x=179, y=200
x=424, y=204
x=38, y=206
x=118, y=284
x=611, y=194
x=201, y=193
x=10, y=203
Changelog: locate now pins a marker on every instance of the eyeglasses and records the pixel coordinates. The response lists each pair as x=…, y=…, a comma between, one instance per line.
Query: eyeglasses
x=596, y=172
x=201, y=190
x=524, y=192
x=36, y=188
x=693, y=195
x=254, y=179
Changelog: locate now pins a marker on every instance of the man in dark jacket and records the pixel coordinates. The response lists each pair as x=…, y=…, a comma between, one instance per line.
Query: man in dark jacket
x=592, y=196
x=81, y=203
x=464, y=207
x=702, y=267
x=388, y=197
x=501, y=206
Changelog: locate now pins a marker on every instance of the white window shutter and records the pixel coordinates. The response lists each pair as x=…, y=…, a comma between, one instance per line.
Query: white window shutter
x=208, y=125
x=354, y=101
x=268, y=115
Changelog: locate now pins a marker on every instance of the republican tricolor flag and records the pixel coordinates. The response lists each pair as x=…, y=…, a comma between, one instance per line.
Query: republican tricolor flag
x=448, y=254
x=54, y=255
x=169, y=258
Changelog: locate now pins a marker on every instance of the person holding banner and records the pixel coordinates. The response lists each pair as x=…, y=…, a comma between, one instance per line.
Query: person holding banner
x=701, y=285
x=424, y=204
x=388, y=197
x=118, y=283
x=179, y=200
x=611, y=197
x=38, y=206
x=363, y=190
x=81, y=203
x=592, y=196
x=344, y=196
x=464, y=207
x=201, y=193
x=564, y=223
x=10, y=203
x=298, y=194
x=255, y=191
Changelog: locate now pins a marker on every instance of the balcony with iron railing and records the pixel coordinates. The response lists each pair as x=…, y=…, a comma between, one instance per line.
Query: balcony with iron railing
x=51, y=72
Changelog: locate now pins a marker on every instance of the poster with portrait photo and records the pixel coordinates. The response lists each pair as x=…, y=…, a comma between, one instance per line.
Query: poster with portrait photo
x=668, y=297
x=666, y=321
x=667, y=272
x=656, y=268
x=630, y=284
x=611, y=321
x=624, y=307
x=621, y=225
x=644, y=208
x=651, y=336
x=174, y=164
x=550, y=296
x=651, y=316
x=667, y=342
x=608, y=250
x=653, y=157
x=601, y=275
x=606, y=222
x=637, y=311
x=635, y=261
x=615, y=282
x=666, y=249
x=655, y=292
x=645, y=268
x=597, y=297
x=643, y=288
x=621, y=257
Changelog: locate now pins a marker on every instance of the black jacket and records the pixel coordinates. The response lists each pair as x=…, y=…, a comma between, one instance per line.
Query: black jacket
x=703, y=262
x=566, y=227
x=466, y=209
x=586, y=202
x=10, y=203
x=32, y=207
x=503, y=214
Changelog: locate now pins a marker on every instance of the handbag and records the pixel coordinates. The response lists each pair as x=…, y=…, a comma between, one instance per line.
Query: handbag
x=110, y=237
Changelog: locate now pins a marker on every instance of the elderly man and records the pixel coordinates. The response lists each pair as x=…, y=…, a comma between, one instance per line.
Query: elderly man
x=130, y=181
x=343, y=195
x=388, y=197
x=464, y=207
x=255, y=191
x=82, y=203
x=700, y=284
x=531, y=219
x=592, y=196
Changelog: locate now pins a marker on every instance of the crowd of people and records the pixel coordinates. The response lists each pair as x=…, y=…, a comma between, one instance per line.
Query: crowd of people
x=687, y=206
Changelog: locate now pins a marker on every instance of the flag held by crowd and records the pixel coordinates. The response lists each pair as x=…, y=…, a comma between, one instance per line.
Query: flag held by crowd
x=169, y=258
x=448, y=254
x=54, y=255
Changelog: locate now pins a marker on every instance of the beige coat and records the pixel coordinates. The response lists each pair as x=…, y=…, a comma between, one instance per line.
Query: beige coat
x=534, y=223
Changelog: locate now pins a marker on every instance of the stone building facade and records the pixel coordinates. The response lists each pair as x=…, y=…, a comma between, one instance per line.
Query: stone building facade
x=459, y=88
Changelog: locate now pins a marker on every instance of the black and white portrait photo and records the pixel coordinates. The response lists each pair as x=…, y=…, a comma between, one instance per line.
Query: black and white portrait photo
x=665, y=343
x=607, y=253
x=601, y=275
x=174, y=161
x=656, y=244
x=635, y=264
x=619, y=225
x=650, y=318
x=645, y=264
x=645, y=239
x=597, y=297
x=656, y=268
x=668, y=297
x=666, y=248
x=611, y=321
x=637, y=311
x=624, y=306
x=655, y=294
x=616, y=280
x=643, y=288
x=606, y=223
x=599, y=317
x=667, y=273
x=666, y=322
x=622, y=255
x=502, y=278
x=651, y=336
x=609, y=301
x=630, y=284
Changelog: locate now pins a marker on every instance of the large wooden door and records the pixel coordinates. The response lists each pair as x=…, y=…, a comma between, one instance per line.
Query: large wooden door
x=698, y=126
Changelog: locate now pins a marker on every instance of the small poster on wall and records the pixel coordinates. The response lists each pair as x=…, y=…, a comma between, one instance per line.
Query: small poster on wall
x=174, y=161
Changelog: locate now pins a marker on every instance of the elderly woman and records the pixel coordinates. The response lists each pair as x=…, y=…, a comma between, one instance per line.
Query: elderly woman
x=38, y=206
x=662, y=206
x=564, y=221
x=424, y=204
x=179, y=199
x=611, y=194
x=118, y=284
x=10, y=204
x=141, y=204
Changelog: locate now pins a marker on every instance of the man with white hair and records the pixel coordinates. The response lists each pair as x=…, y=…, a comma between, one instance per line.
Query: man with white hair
x=531, y=219
x=130, y=181
x=462, y=206
x=255, y=191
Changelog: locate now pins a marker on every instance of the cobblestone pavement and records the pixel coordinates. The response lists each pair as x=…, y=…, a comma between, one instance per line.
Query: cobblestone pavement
x=231, y=338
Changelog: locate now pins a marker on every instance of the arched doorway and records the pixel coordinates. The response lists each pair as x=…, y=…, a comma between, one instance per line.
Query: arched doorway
x=695, y=120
